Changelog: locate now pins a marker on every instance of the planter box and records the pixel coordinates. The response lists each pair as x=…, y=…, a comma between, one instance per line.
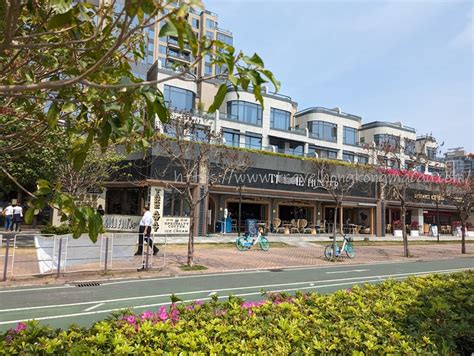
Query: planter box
x=414, y=233
x=398, y=233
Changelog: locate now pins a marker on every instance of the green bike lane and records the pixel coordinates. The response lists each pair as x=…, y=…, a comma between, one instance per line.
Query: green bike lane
x=60, y=306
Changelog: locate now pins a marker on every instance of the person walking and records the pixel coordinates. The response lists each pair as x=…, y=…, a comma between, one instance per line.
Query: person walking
x=17, y=217
x=9, y=217
x=145, y=229
x=100, y=210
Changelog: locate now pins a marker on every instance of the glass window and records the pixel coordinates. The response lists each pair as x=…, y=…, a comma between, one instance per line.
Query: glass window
x=279, y=119
x=350, y=136
x=210, y=35
x=149, y=59
x=363, y=159
x=232, y=138
x=296, y=149
x=210, y=23
x=162, y=49
x=253, y=142
x=410, y=146
x=244, y=112
x=323, y=130
x=431, y=152
x=195, y=23
x=179, y=99
x=207, y=69
x=348, y=157
x=323, y=153
x=224, y=38
x=385, y=141
x=174, y=205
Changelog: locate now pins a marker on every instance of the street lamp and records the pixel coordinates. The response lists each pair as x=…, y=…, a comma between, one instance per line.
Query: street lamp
x=240, y=209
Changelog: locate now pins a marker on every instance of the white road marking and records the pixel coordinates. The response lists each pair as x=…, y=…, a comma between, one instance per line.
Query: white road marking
x=206, y=298
x=212, y=293
x=380, y=277
x=32, y=289
x=94, y=307
x=349, y=271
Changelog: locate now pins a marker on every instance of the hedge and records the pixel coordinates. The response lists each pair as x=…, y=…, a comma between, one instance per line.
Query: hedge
x=420, y=315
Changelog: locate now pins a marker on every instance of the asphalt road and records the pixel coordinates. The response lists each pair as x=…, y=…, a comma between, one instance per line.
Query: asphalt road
x=62, y=305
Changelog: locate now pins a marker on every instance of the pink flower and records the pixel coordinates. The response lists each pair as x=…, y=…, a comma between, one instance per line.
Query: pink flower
x=349, y=290
x=198, y=302
x=162, y=314
x=147, y=315
x=21, y=326
x=131, y=319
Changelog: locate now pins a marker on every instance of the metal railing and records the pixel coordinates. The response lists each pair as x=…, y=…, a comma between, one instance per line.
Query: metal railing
x=24, y=255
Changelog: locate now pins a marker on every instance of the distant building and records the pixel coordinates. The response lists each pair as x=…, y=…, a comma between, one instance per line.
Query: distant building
x=459, y=164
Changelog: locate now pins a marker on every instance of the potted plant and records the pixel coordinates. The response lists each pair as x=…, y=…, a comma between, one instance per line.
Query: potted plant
x=397, y=228
x=414, y=229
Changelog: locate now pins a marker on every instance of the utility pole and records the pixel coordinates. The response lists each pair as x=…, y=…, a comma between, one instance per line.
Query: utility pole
x=240, y=210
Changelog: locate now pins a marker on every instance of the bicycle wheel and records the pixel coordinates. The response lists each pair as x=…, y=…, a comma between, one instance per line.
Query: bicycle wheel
x=350, y=251
x=264, y=244
x=329, y=252
x=240, y=244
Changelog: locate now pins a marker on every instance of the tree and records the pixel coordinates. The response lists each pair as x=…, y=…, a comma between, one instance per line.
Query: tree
x=338, y=185
x=193, y=151
x=68, y=63
x=461, y=195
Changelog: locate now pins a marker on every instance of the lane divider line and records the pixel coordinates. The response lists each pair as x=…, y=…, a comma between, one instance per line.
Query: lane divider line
x=94, y=307
x=191, y=300
x=228, y=289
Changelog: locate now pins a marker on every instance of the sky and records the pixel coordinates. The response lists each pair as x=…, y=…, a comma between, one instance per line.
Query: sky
x=407, y=61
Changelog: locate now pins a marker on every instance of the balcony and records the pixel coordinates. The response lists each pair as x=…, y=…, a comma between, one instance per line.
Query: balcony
x=174, y=43
x=317, y=137
x=293, y=130
x=180, y=56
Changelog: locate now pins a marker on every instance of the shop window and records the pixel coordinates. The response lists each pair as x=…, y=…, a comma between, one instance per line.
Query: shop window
x=174, y=204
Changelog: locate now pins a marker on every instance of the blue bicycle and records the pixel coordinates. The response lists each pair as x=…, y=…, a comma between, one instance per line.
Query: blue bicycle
x=346, y=247
x=246, y=242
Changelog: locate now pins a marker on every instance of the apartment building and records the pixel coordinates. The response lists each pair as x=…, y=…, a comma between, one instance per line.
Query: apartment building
x=459, y=163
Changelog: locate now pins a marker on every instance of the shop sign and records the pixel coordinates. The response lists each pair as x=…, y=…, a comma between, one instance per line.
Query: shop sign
x=121, y=222
x=174, y=225
x=433, y=197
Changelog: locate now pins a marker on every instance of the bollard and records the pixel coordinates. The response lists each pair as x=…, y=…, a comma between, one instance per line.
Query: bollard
x=5, y=266
x=106, y=253
x=59, y=256
x=147, y=252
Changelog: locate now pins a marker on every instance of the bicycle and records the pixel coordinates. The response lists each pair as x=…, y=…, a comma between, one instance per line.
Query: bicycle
x=243, y=243
x=346, y=247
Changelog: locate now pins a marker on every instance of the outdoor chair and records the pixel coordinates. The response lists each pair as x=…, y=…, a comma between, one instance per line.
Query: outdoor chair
x=322, y=227
x=302, y=223
x=234, y=225
x=443, y=230
x=294, y=226
x=388, y=228
x=448, y=230
x=277, y=226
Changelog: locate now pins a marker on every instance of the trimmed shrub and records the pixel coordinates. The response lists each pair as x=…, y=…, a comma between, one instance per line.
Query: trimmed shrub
x=62, y=229
x=420, y=315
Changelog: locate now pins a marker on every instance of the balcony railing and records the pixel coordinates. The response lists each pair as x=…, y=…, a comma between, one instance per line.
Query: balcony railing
x=175, y=43
x=316, y=136
x=187, y=58
x=297, y=131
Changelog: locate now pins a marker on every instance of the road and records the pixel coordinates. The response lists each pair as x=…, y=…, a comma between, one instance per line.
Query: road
x=62, y=305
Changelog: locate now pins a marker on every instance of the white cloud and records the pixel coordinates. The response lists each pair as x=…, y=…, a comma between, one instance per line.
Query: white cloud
x=465, y=37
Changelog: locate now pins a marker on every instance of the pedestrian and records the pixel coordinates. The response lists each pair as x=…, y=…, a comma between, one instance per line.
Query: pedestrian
x=17, y=217
x=8, y=217
x=145, y=229
x=100, y=210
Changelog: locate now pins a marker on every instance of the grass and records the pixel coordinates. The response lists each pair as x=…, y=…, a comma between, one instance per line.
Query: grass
x=192, y=268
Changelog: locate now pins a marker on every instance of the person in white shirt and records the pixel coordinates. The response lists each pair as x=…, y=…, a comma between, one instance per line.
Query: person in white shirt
x=145, y=229
x=8, y=212
x=17, y=217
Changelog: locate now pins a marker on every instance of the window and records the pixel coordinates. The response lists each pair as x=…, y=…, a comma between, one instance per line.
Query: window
x=162, y=49
x=410, y=146
x=195, y=23
x=149, y=59
x=178, y=98
x=350, y=136
x=363, y=159
x=174, y=205
x=210, y=35
x=244, y=112
x=348, y=157
x=207, y=69
x=431, y=152
x=387, y=141
x=362, y=140
x=323, y=153
x=232, y=138
x=279, y=119
x=224, y=38
x=296, y=149
x=323, y=130
x=254, y=142
x=211, y=23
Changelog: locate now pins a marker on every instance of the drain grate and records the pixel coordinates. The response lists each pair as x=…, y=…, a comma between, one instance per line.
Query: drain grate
x=276, y=270
x=87, y=284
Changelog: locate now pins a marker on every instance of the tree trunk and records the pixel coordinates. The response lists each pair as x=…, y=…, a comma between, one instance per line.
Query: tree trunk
x=404, y=230
x=437, y=219
x=190, y=260
x=463, y=237
x=334, y=244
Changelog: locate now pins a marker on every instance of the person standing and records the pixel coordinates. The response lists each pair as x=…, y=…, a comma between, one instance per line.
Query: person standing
x=17, y=217
x=100, y=210
x=9, y=217
x=145, y=229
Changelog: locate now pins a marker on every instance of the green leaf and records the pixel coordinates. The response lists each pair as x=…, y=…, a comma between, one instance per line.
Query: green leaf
x=29, y=215
x=219, y=98
x=169, y=29
x=53, y=116
x=255, y=60
x=61, y=20
x=68, y=107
